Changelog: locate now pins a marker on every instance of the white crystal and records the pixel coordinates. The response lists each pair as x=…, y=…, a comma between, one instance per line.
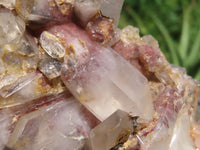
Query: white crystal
x=59, y=126
x=11, y=27
x=101, y=79
x=112, y=131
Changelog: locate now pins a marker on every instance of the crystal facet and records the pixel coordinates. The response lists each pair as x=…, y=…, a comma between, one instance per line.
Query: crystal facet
x=112, y=131
x=52, y=45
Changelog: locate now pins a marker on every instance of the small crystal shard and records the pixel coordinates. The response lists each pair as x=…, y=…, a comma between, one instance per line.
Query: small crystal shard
x=11, y=27
x=112, y=131
x=52, y=45
x=50, y=67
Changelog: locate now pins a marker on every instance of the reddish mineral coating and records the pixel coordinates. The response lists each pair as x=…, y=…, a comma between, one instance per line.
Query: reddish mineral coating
x=100, y=28
x=174, y=88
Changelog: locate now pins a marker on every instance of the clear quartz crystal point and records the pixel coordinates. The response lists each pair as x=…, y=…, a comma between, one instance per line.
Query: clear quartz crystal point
x=101, y=79
x=107, y=83
x=111, y=132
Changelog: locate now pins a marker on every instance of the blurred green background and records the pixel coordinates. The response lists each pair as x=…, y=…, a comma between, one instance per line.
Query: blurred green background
x=174, y=23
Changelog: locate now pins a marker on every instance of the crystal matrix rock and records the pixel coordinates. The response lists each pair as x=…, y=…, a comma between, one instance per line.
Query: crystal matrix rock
x=75, y=44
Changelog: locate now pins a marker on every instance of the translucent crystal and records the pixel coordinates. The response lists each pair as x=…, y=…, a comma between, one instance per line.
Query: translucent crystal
x=100, y=78
x=181, y=133
x=13, y=59
x=24, y=48
x=5, y=121
x=62, y=125
x=112, y=131
x=85, y=10
x=16, y=86
x=52, y=45
x=34, y=87
x=112, y=9
x=11, y=27
x=50, y=67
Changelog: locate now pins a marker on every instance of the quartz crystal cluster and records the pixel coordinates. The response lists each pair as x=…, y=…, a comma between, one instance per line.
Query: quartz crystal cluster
x=71, y=80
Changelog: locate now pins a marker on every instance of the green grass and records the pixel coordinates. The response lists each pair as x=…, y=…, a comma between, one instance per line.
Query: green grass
x=174, y=23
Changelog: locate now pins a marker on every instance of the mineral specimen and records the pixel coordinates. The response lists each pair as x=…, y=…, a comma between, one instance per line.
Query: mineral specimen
x=70, y=79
